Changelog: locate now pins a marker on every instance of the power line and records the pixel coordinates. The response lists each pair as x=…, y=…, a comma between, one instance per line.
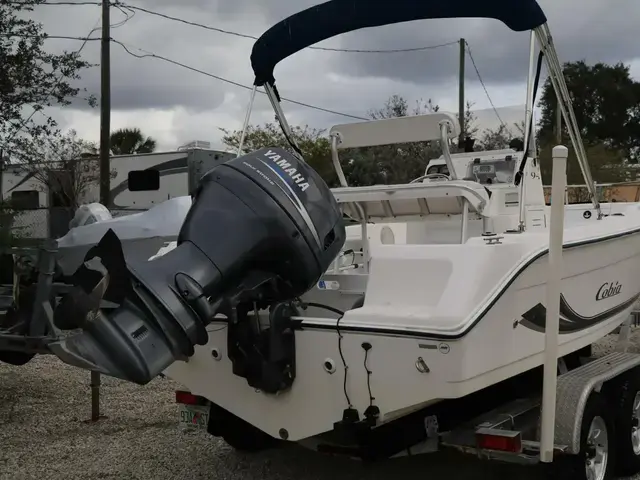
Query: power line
x=56, y=3
x=133, y=8
x=49, y=37
x=188, y=22
x=119, y=4
x=147, y=54
x=252, y=37
x=473, y=62
x=128, y=16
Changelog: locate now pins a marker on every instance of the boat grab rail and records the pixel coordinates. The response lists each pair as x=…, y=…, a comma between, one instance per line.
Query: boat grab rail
x=389, y=131
x=393, y=202
x=468, y=190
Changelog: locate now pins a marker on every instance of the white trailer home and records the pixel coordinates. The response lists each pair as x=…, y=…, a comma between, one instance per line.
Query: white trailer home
x=157, y=177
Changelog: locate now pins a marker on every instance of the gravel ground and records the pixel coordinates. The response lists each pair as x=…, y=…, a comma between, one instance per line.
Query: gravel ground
x=44, y=434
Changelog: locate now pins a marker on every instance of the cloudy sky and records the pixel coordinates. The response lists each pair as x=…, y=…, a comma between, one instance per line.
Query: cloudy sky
x=176, y=105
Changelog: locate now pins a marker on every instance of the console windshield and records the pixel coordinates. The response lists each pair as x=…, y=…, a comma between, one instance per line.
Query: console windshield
x=489, y=172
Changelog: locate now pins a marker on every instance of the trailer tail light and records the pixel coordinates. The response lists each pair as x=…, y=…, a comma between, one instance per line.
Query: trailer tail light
x=188, y=398
x=499, y=440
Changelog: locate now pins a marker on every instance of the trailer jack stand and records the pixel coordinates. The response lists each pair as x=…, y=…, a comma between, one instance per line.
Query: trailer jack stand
x=95, y=398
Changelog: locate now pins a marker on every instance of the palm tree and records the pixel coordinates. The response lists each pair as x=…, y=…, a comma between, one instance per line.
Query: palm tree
x=127, y=141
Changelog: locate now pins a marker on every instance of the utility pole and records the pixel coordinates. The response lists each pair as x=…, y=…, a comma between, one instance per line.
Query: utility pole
x=105, y=104
x=105, y=178
x=463, y=51
x=1, y=175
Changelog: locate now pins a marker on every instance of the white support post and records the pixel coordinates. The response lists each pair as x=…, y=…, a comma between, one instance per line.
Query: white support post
x=364, y=232
x=445, y=128
x=554, y=281
x=624, y=335
x=464, y=229
x=335, y=158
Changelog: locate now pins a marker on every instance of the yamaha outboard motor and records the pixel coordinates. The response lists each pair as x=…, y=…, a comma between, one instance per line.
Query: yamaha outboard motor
x=261, y=231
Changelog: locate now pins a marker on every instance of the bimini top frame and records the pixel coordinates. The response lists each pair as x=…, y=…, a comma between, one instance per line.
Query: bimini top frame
x=335, y=17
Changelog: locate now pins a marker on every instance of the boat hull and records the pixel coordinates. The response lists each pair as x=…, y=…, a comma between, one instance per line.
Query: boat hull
x=71, y=257
x=502, y=338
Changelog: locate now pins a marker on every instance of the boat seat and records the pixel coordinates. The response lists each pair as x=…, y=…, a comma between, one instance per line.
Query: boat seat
x=389, y=131
x=390, y=203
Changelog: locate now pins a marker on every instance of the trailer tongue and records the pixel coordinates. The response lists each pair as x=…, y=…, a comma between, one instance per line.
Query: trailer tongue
x=262, y=230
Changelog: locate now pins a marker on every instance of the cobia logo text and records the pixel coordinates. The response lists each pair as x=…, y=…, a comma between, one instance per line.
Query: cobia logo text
x=608, y=290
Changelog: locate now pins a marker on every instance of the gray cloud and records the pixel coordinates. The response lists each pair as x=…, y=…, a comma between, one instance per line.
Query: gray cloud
x=139, y=83
x=587, y=29
x=583, y=29
x=269, y=11
x=578, y=27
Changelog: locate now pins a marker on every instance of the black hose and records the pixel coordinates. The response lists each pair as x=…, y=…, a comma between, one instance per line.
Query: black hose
x=344, y=362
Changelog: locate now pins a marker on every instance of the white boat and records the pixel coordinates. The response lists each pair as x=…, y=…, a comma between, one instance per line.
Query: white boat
x=141, y=234
x=453, y=302
x=443, y=297
x=473, y=311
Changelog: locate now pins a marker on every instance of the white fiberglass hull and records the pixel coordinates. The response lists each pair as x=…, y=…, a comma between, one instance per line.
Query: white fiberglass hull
x=71, y=257
x=472, y=313
x=142, y=234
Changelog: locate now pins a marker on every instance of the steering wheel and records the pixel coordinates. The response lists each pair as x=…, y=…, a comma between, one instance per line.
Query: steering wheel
x=430, y=175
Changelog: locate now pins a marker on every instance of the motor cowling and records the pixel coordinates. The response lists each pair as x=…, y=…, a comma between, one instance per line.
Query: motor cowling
x=261, y=231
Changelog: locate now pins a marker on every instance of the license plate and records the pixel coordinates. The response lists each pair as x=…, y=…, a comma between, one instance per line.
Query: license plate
x=196, y=416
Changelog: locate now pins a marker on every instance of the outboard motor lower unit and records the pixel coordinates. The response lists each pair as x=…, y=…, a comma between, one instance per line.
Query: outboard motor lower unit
x=261, y=231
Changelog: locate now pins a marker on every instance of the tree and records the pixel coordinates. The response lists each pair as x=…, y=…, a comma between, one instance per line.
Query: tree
x=31, y=77
x=499, y=138
x=9, y=233
x=386, y=164
x=313, y=143
x=392, y=164
x=494, y=139
x=129, y=141
x=607, y=165
x=397, y=106
x=470, y=129
x=606, y=101
x=65, y=166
